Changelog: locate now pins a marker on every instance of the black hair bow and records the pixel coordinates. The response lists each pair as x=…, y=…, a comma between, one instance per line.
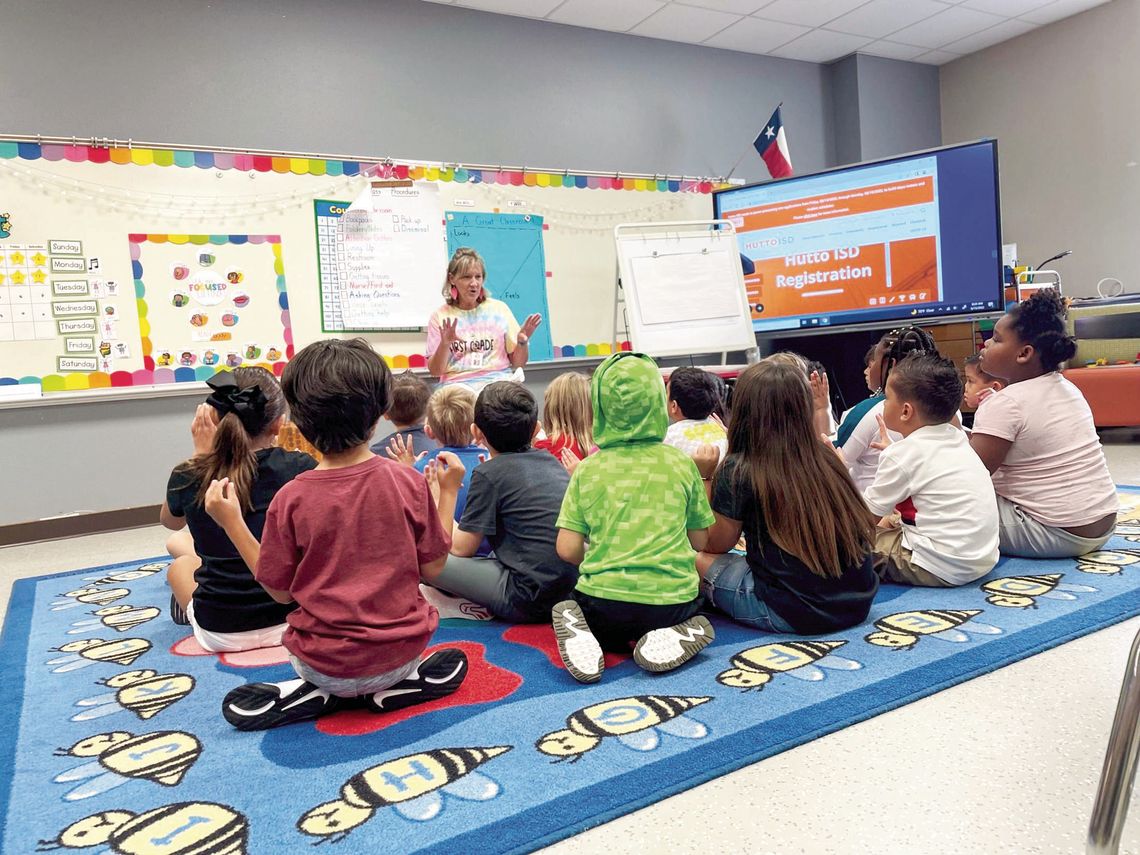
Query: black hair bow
x=247, y=404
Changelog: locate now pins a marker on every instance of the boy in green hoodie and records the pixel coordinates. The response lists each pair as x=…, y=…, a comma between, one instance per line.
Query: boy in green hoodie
x=642, y=508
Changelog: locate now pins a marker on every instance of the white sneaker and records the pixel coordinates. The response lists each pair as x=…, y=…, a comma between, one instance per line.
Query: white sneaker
x=665, y=649
x=580, y=651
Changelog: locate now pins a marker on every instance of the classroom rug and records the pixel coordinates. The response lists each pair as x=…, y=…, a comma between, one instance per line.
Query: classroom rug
x=115, y=743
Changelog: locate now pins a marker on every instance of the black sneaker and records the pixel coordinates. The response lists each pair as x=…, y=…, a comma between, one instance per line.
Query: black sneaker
x=177, y=613
x=260, y=706
x=438, y=675
x=665, y=649
x=580, y=651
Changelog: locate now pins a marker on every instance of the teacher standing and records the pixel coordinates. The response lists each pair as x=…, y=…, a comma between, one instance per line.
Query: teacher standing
x=474, y=338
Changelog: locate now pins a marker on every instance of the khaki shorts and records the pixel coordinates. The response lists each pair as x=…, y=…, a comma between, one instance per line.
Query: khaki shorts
x=895, y=563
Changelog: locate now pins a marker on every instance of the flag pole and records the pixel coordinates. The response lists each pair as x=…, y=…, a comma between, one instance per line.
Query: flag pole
x=741, y=158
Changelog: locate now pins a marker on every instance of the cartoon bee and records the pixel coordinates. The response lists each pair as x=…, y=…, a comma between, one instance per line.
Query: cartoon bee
x=140, y=572
x=89, y=596
x=1021, y=592
x=1107, y=562
x=80, y=654
x=634, y=721
x=183, y=828
x=903, y=629
x=118, y=618
x=144, y=692
x=163, y=757
x=757, y=665
x=410, y=784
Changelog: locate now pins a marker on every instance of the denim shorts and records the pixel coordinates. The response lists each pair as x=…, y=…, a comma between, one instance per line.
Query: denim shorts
x=731, y=588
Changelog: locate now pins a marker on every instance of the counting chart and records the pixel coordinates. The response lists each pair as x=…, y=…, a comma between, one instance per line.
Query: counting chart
x=327, y=214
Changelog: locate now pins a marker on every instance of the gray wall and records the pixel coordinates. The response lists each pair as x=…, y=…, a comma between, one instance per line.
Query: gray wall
x=1061, y=101
x=399, y=78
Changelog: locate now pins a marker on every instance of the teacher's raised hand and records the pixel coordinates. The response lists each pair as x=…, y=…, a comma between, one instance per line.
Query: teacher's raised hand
x=528, y=327
x=448, y=330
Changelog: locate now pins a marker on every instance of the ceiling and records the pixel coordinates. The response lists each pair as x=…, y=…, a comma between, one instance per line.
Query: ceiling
x=928, y=31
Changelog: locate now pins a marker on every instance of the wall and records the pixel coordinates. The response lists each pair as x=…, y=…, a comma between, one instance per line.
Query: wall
x=1061, y=102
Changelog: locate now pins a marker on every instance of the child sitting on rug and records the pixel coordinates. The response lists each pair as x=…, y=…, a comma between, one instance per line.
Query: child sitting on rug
x=513, y=500
x=347, y=543
x=954, y=539
x=633, y=514
x=567, y=419
x=212, y=588
x=694, y=396
x=979, y=385
x=410, y=396
x=1037, y=438
x=808, y=564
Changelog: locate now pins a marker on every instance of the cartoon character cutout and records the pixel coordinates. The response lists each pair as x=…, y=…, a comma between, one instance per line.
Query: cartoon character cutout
x=635, y=722
x=233, y=360
x=411, y=785
x=1021, y=592
x=234, y=276
x=5, y=225
x=179, y=300
x=199, y=319
x=273, y=354
x=902, y=630
x=229, y=319
x=1107, y=562
x=210, y=357
x=164, y=359
x=188, y=358
x=143, y=692
x=119, y=618
x=90, y=596
x=164, y=757
x=90, y=651
x=756, y=666
x=182, y=828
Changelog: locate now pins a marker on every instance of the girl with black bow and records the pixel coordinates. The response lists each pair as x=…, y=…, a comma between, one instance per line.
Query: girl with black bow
x=234, y=437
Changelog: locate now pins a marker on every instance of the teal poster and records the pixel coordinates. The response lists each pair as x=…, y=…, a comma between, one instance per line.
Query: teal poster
x=511, y=246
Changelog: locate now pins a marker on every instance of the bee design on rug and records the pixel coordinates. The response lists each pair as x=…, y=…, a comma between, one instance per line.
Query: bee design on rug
x=80, y=654
x=635, y=722
x=1107, y=562
x=1021, y=592
x=140, y=572
x=119, y=618
x=1130, y=530
x=145, y=693
x=163, y=757
x=756, y=666
x=183, y=828
x=89, y=596
x=411, y=784
x=903, y=629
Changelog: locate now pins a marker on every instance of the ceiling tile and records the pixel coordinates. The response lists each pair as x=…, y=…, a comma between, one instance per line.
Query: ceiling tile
x=882, y=17
x=604, y=14
x=1003, y=32
x=1060, y=9
x=755, y=36
x=938, y=57
x=945, y=27
x=684, y=23
x=523, y=8
x=893, y=50
x=1006, y=8
x=736, y=7
x=821, y=46
x=811, y=13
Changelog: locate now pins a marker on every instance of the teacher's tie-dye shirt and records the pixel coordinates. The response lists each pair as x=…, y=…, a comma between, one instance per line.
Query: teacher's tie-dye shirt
x=485, y=338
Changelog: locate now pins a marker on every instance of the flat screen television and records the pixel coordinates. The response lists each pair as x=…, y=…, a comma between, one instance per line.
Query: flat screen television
x=914, y=238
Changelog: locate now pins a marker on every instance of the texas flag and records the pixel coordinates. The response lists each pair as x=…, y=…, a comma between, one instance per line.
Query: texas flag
x=773, y=147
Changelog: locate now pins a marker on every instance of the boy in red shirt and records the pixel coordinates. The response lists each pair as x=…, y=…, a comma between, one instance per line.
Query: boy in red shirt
x=347, y=543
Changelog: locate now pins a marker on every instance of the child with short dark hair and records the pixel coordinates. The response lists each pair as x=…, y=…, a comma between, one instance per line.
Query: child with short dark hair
x=979, y=385
x=642, y=509
x=1037, y=439
x=694, y=396
x=513, y=501
x=410, y=396
x=347, y=543
x=954, y=539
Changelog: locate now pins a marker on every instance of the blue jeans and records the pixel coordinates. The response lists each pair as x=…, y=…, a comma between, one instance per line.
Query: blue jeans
x=731, y=588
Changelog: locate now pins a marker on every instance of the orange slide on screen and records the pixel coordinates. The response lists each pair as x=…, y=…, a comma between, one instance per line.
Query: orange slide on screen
x=844, y=203
x=836, y=280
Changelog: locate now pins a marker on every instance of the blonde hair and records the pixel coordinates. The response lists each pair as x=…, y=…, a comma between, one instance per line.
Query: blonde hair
x=462, y=260
x=788, y=357
x=451, y=412
x=566, y=409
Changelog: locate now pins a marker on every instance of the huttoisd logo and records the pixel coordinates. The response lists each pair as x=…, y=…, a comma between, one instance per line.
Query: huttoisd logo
x=5, y=225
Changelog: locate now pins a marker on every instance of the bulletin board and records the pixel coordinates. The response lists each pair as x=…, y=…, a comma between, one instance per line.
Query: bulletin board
x=142, y=266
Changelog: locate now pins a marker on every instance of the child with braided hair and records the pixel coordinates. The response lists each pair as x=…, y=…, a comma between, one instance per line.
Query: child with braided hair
x=1037, y=439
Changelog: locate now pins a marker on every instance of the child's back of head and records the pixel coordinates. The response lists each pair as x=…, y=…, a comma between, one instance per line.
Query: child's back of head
x=337, y=391
x=506, y=414
x=567, y=411
x=930, y=384
x=450, y=414
x=628, y=399
x=895, y=346
x=697, y=393
x=410, y=396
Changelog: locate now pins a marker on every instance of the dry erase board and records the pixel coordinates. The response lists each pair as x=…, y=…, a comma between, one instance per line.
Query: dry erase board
x=135, y=267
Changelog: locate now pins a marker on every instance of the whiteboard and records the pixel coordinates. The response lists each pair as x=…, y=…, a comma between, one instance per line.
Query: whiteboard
x=684, y=288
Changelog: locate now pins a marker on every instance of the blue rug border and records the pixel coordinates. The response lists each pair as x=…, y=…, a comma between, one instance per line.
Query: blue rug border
x=13, y=656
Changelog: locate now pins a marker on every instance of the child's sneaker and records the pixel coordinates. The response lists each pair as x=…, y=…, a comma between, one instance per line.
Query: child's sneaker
x=260, y=706
x=580, y=651
x=177, y=613
x=438, y=675
x=665, y=649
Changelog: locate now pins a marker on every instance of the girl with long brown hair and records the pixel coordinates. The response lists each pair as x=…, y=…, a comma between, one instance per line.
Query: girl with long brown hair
x=234, y=437
x=809, y=534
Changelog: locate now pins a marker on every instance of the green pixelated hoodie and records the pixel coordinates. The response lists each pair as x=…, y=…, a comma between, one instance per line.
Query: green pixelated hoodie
x=635, y=498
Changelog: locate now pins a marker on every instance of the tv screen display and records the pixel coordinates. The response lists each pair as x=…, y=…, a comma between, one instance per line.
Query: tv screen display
x=916, y=238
